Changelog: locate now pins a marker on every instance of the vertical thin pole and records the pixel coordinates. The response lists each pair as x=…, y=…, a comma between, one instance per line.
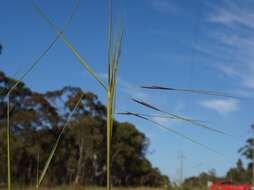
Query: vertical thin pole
x=37, y=170
x=252, y=143
x=8, y=144
x=181, y=168
x=109, y=118
x=109, y=99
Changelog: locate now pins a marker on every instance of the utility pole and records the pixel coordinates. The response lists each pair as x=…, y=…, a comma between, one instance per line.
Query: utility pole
x=181, y=168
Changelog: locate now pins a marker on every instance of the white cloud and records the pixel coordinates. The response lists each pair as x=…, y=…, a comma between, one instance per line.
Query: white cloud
x=230, y=71
x=164, y=6
x=132, y=90
x=161, y=120
x=127, y=88
x=220, y=105
x=233, y=14
x=232, y=46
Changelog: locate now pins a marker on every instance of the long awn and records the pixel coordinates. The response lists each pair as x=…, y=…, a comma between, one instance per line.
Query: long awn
x=23, y=76
x=114, y=52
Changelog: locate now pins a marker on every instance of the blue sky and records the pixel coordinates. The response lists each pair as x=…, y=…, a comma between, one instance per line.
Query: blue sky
x=177, y=43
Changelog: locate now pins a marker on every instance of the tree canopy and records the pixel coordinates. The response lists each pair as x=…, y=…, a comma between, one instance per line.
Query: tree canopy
x=36, y=120
x=238, y=174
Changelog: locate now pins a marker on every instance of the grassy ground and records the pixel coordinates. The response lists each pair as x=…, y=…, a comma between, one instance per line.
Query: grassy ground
x=82, y=188
x=99, y=188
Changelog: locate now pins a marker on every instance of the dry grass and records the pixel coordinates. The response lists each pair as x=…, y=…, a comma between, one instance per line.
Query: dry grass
x=83, y=188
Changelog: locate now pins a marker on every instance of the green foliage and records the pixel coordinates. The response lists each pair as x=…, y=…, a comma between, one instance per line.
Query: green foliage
x=36, y=119
x=200, y=182
x=114, y=52
x=68, y=187
x=239, y=174
x=247, y=150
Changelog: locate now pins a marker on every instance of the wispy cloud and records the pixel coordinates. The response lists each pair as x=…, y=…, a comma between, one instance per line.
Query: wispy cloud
x=128, y=88
x=233, y=32
x=220, y=105
x=165, y=6
x=233, y=13
x=178, y=109
x=161, y=120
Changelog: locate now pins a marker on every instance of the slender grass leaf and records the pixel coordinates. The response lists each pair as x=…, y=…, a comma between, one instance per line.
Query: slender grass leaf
x=44, y=53
x=166, y=116
x=29, y=70
x=196, y=91
x=192, y=121
x=109, y=40
x=52, y=153
x=173, y=131
x=146, y=104
x=69, y=45
x=8, y=139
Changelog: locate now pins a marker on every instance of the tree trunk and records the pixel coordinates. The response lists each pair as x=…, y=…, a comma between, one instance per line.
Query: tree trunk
x=80, y=160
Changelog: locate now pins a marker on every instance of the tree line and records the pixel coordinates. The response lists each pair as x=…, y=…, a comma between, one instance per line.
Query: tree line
x=239, y=174
x=36, y=120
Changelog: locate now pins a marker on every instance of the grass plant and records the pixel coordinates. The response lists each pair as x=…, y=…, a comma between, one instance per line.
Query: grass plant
x=21, y=78
x=114, y=52
x=115, y=40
